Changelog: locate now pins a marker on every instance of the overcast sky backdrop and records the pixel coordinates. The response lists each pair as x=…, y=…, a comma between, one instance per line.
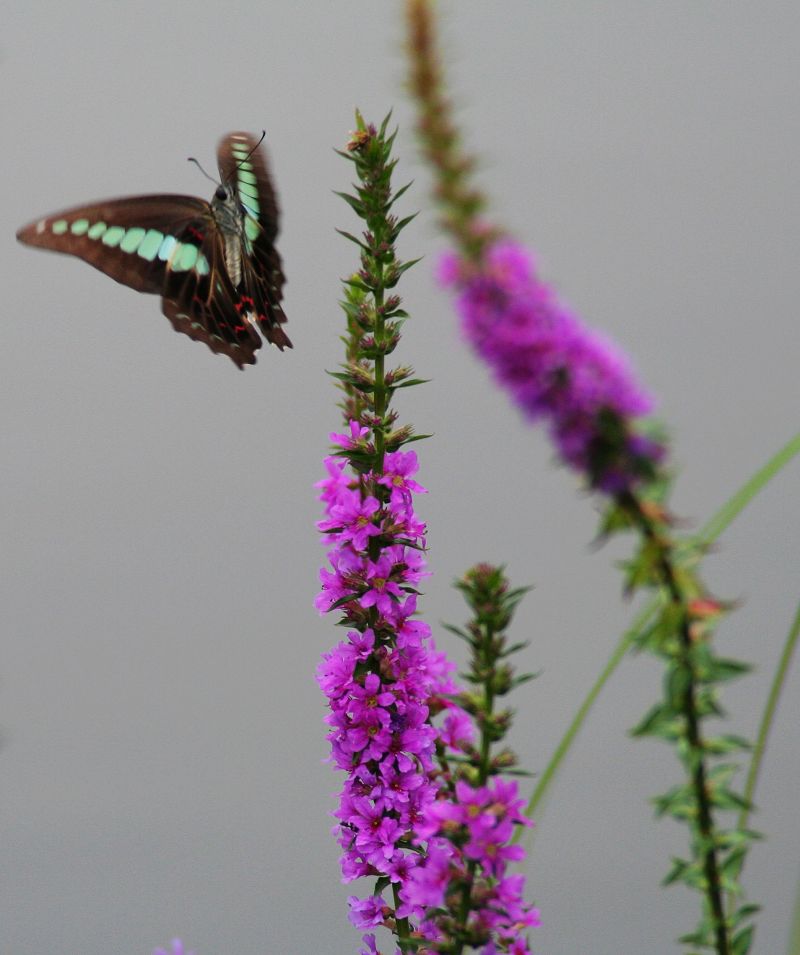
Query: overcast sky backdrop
x=162, y=739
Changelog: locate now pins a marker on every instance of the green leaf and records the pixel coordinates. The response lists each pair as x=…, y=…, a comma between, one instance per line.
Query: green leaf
x=514, y=648
x=381, y=883
x=731, y=509
x=729, y=743
x=741, y=942
x=461, y=634
x=399, y=193
x=358, y=242
x=723, y=669
x=355, y=204
x=676, y=873
x=654, y=721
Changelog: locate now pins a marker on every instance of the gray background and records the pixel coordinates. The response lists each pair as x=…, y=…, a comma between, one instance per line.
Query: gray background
x=162, y=747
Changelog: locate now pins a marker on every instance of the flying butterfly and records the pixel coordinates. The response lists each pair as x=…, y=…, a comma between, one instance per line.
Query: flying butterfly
x=214, y=263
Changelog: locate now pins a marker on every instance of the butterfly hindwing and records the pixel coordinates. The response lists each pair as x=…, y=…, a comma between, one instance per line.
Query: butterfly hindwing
x=243, y=166
x=203, y=303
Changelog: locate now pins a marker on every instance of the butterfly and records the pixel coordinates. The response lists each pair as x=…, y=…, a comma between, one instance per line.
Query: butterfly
x=214, y=264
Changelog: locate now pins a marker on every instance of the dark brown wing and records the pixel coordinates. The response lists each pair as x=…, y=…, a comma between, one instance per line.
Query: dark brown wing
x=243, y=166
x=163, y=244
x=129, y=239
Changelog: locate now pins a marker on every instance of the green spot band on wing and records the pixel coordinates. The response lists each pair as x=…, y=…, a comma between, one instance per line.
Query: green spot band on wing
x=168, y=243
x=113, y=236
x=133, y=239
x=251, y=227
x=79, y=227
x=184, y=257
x=150, y=244
x=202, y=267
x=249, y=177
x=59, y=227
x=245, y=189
x=97, y=230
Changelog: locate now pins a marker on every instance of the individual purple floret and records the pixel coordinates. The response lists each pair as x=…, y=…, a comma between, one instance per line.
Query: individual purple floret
x=554, y=367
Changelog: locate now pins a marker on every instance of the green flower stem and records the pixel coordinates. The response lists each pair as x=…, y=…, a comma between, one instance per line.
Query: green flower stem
x=708, y=535
x=760, y=747
x=695, y=759
x=737, y=503
x=767, y=719
x=794, y=931
x=486, y=590
x=566, y=741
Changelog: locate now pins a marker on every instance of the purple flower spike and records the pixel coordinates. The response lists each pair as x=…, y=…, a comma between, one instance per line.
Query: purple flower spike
x=176, y=948
x=553, y=367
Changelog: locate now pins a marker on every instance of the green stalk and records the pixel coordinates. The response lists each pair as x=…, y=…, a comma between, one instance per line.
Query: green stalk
x=709, y=533
x=695, y=760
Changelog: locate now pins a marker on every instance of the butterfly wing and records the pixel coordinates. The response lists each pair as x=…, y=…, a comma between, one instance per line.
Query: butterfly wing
x=243, y=166
x=129, y=239
x=163, y=244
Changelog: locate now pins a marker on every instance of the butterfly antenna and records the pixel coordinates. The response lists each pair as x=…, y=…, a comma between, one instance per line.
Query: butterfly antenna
x=260, y=141
x=196, y=162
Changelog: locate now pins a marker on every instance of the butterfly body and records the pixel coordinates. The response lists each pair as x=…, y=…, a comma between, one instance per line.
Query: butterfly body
x=214, y=263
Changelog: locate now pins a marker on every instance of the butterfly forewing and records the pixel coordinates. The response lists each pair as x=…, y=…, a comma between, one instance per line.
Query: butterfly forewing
x=129, y=239
x=176, y=246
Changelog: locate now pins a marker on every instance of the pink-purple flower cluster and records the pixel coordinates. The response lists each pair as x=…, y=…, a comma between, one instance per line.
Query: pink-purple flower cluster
x=176, y=948
x=401, y=818
x=553, y=366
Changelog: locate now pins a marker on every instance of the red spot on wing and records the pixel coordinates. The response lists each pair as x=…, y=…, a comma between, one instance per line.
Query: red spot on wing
x=245, y=303
x=195, y=233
